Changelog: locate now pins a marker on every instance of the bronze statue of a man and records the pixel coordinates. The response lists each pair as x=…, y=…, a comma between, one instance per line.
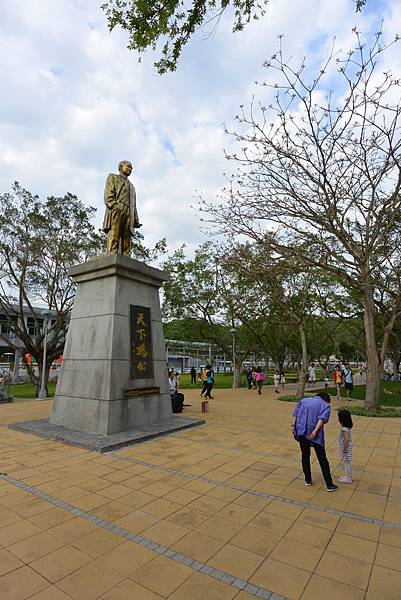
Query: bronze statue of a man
x=121, y=217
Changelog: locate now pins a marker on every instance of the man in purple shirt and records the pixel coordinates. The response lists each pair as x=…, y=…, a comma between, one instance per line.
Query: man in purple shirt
x=311, y=414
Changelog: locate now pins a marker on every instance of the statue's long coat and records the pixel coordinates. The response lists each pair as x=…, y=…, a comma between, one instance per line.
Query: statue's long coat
x=117, y=187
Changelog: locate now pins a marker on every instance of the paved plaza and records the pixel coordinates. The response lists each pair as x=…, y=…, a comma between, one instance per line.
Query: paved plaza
x=213, y=513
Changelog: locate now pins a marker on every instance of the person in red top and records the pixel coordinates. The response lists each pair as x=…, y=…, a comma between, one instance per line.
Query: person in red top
x=338, y=380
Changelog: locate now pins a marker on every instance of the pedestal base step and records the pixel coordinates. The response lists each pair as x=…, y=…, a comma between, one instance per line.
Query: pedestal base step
x=104, y=443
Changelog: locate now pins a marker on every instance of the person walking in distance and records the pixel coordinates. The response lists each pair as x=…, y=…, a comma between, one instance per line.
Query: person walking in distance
x=193, y=376
x=338, y=380
x=276, y=381
x=310, y=416
x=209, y=382
x=312, y=374
x=282, y=379
x=345, y=444
x=204, y=380
x=348, y=380
x=254, y=378
x=248, y=375
x=259, y=377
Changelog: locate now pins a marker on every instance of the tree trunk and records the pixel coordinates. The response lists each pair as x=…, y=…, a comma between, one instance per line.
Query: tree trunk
x=304, y=362
x=17, y=356
x=372, y=397
x=237, y=376
x=266, y=356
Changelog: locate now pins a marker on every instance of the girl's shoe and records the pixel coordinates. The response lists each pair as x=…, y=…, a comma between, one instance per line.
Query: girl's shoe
x=344, y=479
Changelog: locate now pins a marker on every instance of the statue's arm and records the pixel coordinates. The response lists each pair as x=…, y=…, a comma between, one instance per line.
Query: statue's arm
x=136, y=219
x=110, y=192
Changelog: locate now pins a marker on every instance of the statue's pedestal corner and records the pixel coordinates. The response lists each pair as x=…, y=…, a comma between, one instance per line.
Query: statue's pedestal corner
x=105, y=443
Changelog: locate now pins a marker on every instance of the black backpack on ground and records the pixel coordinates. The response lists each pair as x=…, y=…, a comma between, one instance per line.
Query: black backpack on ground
x=176, y=402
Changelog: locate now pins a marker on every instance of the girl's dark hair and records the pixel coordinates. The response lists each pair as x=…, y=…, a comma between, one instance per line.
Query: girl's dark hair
x=259, y=370
x=344, y=417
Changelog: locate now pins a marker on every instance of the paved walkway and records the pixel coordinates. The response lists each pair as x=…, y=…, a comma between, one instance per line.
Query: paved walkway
x=214, y=513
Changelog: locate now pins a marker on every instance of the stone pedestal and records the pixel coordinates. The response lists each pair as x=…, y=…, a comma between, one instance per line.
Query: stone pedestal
x=113, y=382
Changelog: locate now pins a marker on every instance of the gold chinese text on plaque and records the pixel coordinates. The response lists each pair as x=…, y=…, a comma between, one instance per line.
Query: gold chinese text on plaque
x=141, y=343
x=136, y=392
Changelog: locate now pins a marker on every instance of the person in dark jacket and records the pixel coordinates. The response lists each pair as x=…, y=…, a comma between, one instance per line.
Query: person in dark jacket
x=209, y=382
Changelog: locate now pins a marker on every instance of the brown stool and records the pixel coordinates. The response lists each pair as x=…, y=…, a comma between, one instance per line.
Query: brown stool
x=205, y=406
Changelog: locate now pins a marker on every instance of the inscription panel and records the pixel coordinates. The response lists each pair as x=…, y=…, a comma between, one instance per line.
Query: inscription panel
x=141, y=342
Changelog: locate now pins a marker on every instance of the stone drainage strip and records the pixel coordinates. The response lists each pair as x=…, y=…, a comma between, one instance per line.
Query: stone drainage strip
x=204, y=568
x=245, y=490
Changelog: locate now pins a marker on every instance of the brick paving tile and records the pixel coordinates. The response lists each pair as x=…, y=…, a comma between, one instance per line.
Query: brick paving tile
x=200, y=587
x=21, y=584
x=215, y=512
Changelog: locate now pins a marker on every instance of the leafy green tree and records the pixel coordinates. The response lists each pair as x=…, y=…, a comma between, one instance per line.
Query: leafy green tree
x=184, y=329
x=206, y=290
x=337, y=318
x=150, y=22
x=292, y=298
x=39, y=240
x=287, y=296
x=345, y=350
x=140, y=251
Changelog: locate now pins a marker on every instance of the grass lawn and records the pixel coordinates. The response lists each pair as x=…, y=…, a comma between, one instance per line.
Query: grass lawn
x=221, y=380
x=390, y=403
x=27, y=390
x=225, y=380
x=390, y=393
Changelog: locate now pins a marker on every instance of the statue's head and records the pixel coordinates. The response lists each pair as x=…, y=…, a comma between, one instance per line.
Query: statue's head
x=125, y=168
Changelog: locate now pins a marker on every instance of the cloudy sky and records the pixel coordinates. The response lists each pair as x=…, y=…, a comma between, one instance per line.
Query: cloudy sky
x=75, y=101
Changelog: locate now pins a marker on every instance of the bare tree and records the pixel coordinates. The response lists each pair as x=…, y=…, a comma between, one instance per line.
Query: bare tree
x=319, y=178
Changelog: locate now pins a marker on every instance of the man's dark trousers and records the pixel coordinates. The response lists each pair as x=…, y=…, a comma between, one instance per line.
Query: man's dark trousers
x=305, y=445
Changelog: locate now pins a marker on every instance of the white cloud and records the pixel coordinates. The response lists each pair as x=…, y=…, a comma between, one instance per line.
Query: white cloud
x=75, y=101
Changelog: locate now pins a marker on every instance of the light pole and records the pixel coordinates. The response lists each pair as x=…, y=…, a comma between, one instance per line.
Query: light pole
x=42, y=393
x=9, y=354
x=233, y=330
